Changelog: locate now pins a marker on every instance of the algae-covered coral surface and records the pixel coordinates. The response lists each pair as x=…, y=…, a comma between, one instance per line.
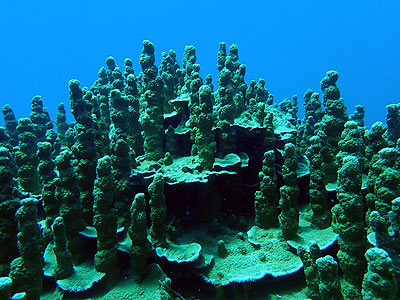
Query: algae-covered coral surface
x=168, y=185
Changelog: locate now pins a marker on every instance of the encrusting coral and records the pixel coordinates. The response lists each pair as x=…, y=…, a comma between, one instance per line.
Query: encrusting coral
x=215, y=185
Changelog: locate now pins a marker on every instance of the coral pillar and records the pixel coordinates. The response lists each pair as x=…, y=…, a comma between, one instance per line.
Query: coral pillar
x=157, y=211
x=140, y=250
x=318, y=194
x=348, y=223
x=266, y=200
x=289, y=217
x=67, y=194
x=105, y=219
x=63, y=256
x=84, y=148
x=329, y=287
x=26, y=270
x=152, y=103
x=26, y=157
x=379, y=282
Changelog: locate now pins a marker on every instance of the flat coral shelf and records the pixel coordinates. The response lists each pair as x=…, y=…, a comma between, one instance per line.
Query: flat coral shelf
x=187, y=169
x=148, y=288
x=179, y=253
x=81, y=280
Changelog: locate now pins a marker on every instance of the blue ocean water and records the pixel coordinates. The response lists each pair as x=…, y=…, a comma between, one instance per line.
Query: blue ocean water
x=291, y=44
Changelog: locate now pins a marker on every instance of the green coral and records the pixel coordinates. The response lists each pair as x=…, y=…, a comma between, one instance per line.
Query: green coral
x=289, y=193
x=348, y=223
x=290, y=107
x=135, y=138
x=120, y=154
x=318, y=194
x=140, y=249
x=168, y=71
x=329, y=287
x=152, y=105
x=5, y=140
x=194, y=107
x=65, y=267
x=224, y=97
x=165, y=126
x=26, y=157
x=40, y=119
x=313, y=114
x=379, y=282
x=105, y=219
x=385, y=234
x=26, y=270
x=84, y=148
x=309, y=259
x=8, y=172
x=61, y=121
x=375, y=141
x=332, y=122
x=358, y=115
x=393, y=124
x=266, y=200
x=352, y=143
x=157, y=211
x=204, y=137
x=8, y=207
x=8, y=237
x=385, y=180
x=68, y=195
x=48, y=178
x=189, y=66
x=225, y=112
x=10, y=123
x=221, y=56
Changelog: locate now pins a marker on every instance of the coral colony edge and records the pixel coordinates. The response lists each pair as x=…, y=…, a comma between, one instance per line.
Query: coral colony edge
x=168, y=187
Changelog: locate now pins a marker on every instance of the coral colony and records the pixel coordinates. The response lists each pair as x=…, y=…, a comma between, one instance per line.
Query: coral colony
x=168, y=187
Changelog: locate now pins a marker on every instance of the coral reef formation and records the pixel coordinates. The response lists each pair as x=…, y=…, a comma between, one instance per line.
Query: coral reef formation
x=26, y=270
x=170, y=186
x=105, y=219
x=348, y=223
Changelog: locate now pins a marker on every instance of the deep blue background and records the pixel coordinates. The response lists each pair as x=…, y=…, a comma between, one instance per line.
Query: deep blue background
x=291, y=44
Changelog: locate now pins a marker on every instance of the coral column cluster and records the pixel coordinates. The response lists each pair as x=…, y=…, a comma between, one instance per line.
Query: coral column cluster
x=167, y=185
